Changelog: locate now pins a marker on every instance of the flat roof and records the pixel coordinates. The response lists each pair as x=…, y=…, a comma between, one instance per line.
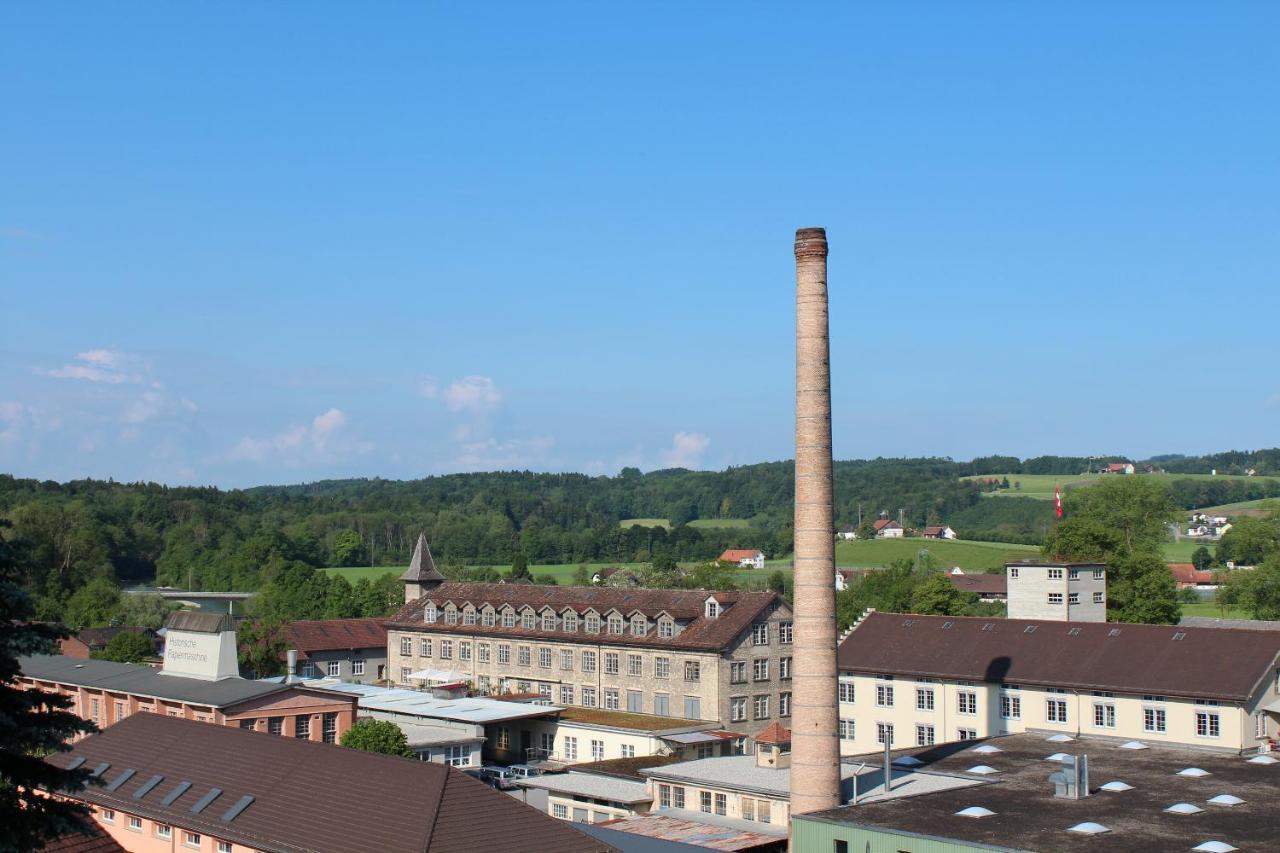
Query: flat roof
x=591, y=785
x=474, y=709
x=737, y=772
x=639, y=722
x=702, y=830
x=420, y=735
x=143, y=680
x=1029, y=817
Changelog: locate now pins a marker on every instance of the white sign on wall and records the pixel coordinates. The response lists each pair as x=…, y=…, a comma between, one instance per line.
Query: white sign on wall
x=200, y=655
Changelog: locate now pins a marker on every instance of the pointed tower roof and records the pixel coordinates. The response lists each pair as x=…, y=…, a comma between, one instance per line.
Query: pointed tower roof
x=421, y=567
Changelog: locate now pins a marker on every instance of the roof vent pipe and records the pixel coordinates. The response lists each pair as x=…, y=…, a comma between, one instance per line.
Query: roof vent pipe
x=291, y=670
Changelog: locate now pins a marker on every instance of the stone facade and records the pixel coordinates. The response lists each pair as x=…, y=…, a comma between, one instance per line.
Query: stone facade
x=1064, y=592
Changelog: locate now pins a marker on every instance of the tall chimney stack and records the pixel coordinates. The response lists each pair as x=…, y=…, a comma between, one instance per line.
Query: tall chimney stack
x=815, y=750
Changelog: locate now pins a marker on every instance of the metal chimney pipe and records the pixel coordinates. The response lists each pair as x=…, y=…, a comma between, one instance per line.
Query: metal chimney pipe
x=291, y=668
x=815, y=750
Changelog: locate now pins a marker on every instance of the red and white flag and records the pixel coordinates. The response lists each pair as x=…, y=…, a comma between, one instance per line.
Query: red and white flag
x=1057, y=500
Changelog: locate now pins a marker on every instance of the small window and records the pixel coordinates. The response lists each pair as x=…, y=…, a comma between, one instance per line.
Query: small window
x=191, y=839
x=224, y=847
x=1030, y=629
x=135, y=823
x=163, y=830
x=1114, y=632
x=1179, y=635
x=108, y=816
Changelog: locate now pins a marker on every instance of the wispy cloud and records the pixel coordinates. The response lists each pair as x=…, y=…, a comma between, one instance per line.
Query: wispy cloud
x=686, y=450
x=472, y=394
x=492, y=454
x=324, y=439
x=105, y=365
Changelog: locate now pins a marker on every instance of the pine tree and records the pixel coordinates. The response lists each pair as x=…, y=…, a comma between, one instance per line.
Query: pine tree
x=33, y=724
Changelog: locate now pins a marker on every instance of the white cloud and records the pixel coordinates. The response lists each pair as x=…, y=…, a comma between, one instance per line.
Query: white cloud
x=100, y=365
x=144, y=408
x=492, y=454
x=322, y=440
x=472, y=393
x=686, y=450
x=429, y=387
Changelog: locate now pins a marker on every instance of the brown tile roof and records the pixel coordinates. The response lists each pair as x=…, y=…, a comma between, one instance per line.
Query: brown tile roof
x=1166, y=660
x=776, y=733
x=1188, y=573
x=733, y=555
x=882, y=523
x=308, y=796
x=95, y=840
x=624, y=719
x=201, y=623
x=322, y=635
x=422, y=567
x=982, y=584
x=701, y=633
x=932, y=530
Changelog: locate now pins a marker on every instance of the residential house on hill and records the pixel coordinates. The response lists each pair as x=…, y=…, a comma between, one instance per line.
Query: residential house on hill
x=938, y=532
x=1187, y=576
x=989, y=588
x=1120, y=468
x=749, y=558
x=170, y=784
x=849, y=531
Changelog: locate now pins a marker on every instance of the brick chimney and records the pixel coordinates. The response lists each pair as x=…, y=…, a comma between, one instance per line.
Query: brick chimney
x=815, y=750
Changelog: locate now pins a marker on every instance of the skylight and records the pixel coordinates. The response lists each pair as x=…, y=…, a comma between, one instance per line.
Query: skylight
x=987, y=749
x=1226, y=800
x=1133, y=744
x=1194, y=772
x=1060, y=739
x=1215, y=847
x=1057, y=756
x=1116, y=786
x=1088, y=828
x=982, y=770
x=1261, y=759
x=975, y=811
x=907, y=761
x=1183, y=808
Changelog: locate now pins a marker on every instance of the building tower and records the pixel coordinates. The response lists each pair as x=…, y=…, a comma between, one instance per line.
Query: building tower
x=422, y=574
x=815, y=750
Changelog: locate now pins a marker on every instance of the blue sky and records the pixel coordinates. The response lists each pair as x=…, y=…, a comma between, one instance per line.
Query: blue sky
x=281, y=242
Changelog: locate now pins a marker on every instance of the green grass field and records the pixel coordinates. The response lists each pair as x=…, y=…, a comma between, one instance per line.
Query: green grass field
x=645, y=522
x=1258, y=507
x=1040, y=486
x=1208, y=608
x=979, y=556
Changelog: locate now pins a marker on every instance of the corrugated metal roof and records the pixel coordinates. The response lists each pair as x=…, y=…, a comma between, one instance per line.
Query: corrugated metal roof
x=591, y=785
x=471, y=710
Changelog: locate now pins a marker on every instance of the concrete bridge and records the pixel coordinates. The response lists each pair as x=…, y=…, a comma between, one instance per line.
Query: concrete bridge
x=209, y=601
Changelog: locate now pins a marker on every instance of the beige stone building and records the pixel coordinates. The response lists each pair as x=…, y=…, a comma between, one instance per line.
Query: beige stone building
x=1067, y=592
x=919, y=680
x=686, y=654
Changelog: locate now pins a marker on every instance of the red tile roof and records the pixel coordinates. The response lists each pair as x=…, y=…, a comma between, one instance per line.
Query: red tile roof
x=775, y=733
x=734, y=555
x=1187, y=573
x=932, y=530
x=95, y=840
x=882, y=523
x=308, y=795
x=1165, y=660
x=324, y=635
x=738, y=611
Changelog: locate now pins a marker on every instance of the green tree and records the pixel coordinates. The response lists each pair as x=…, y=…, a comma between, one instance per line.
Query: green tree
x=145, y=611
x=519, y=566
x=545, y=579
x=262, y=645
x=128, y=647
x=936, y=595
x=1259, y=589
x=348, y=549
x=94, y=604
x=778, y=582
x=1251, y=540
x=33, y=724
x=340, y=599
x=712, y=575
x=582, y=576
x=1201, y=558
x=662, y=573
x=889, y=589
x=381, y=736
x=1122, y=522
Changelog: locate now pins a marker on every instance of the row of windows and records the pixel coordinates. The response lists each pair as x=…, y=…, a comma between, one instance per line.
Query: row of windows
x=301, y=726
x=1074, y=598
x=610, y=698
x=759, y=670
x=333, y=668
x=548, y=658
x=759, y=707
x=1056, y=574
x=162, y=831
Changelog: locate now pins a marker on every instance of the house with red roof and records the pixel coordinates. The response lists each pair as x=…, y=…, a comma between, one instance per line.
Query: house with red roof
x=1187, y=576
x=349, y=649
x=744, y=558
x=887, y=528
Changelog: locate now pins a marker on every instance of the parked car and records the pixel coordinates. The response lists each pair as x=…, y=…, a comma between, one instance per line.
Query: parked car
x=524, y=771
x=499, y=777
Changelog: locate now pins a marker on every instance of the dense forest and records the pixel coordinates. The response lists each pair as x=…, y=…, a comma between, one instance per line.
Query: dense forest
x=205, y=538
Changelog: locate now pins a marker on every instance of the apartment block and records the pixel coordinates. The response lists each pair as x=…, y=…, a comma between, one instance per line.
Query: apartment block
x=346, y=649
x=921, y=680
x=1067, y=592
x=686, y=654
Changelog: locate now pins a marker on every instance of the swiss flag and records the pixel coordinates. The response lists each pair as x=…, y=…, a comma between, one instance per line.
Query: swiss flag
x=1057, y=500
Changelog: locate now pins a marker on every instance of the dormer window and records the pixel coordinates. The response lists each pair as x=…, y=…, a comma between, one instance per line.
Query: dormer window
x=508, y=617
x=615, y=623
x=592, y=622
x=431, y=614
x=548, y=621
x=639, y=625
x=469, y=615
x=450, y=615
x=529, y=620
x=570, y=622
x=487, y=617
x=666, y=628
x=713, y=609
